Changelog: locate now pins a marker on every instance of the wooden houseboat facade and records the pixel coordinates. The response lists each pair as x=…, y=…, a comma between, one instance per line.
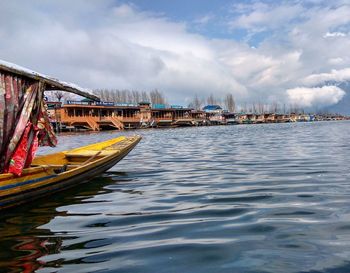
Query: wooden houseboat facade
x=96, y=116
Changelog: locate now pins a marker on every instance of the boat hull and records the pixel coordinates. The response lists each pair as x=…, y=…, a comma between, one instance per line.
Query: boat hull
x=20, y=190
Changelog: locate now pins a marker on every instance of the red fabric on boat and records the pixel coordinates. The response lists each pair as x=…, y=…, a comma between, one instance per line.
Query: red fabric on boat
x=20, y=154
x=32, y=151
x=24, y=123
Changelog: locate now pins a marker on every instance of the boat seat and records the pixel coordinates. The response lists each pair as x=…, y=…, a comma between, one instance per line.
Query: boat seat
x=79, y=157
x=88, y=154
x=91, y=152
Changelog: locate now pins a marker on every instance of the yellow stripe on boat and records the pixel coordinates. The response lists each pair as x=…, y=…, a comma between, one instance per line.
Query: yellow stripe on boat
x=61, y=170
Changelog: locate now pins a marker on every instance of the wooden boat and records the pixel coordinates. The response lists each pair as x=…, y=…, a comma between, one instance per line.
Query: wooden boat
x=58, y=171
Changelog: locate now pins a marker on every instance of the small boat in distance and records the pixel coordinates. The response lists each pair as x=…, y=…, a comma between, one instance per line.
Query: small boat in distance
x=58, y=171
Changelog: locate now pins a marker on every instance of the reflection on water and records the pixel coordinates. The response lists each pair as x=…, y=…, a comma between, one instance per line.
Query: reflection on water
x=258, y=198
x=23, y=240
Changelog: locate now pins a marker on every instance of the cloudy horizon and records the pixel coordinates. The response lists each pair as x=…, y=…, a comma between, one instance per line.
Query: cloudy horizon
x=260, y=51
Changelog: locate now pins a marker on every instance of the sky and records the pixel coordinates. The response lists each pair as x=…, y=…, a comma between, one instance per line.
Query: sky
x=289, y=52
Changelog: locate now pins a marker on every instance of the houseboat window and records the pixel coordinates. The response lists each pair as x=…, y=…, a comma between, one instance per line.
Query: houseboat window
x=94, y=112
x=79, y=112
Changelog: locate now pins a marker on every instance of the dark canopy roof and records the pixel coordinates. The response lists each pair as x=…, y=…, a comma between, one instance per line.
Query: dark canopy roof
x=51, y=83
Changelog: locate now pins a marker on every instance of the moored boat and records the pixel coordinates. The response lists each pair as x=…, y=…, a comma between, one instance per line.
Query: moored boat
x=58, y=171
x=25, y=125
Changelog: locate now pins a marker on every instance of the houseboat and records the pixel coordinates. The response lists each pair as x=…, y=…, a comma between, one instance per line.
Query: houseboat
x=96, y=116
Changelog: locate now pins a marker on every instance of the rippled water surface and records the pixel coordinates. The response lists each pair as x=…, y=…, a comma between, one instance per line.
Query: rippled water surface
x=248, y=198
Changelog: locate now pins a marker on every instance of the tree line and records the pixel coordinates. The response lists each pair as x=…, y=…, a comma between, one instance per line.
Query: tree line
x=130, y=96
x=228, y=103
x=157, y=97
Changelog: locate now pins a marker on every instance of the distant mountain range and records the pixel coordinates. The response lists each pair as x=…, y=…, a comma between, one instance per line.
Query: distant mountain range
x=343, y=106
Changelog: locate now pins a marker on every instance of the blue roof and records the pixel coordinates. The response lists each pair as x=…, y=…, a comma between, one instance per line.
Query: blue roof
x=212, y=107
x=158, y=106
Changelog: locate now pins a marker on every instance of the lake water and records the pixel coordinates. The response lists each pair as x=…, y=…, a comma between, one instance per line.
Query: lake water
x=247, y=198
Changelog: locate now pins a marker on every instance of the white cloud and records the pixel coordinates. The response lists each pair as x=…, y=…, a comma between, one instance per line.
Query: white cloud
x=335, y=75
x=317, y=96
x=335, y=61
x=127, y=48
x=260, y=17
x=334, y=34
x=101, y=44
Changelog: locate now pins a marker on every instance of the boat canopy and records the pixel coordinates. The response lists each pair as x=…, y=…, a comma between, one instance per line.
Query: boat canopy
x=24, y=123
x=50, y=82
